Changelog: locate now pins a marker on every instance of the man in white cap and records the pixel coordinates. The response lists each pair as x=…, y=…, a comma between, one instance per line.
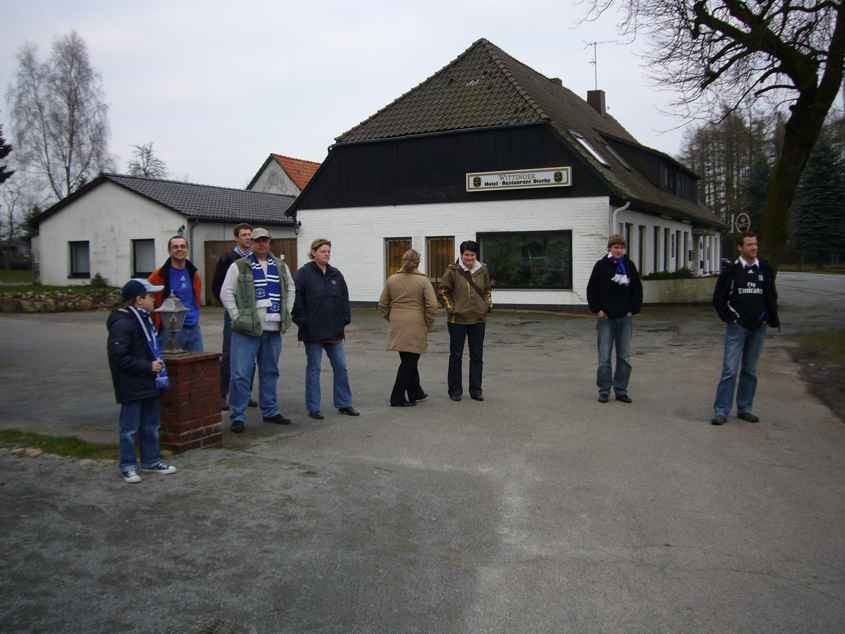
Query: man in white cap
x=258, y=293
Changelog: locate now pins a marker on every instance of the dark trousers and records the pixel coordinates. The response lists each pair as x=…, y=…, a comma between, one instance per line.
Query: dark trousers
x=407, y=379
x=458, y=333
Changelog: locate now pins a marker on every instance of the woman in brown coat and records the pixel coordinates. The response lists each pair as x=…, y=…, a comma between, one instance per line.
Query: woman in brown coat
x=410, y=305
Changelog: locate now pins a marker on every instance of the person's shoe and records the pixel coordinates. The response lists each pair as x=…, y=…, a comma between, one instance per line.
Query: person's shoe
x=718, y=420
x=748, y=417
x=130, y=475
x=421, y=397
x=278, y=419
x=237, y=427
x=349, y=411
x=316, y=415
x=404, y=404
x=476, y=397
x=455, y=397
x=160, y=467
x=624, y=398
x=603, y=398
x=252, y=403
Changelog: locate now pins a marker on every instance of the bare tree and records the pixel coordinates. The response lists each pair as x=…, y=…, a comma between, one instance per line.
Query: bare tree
x=60, y=121
x=146, y=163
x=719, y=53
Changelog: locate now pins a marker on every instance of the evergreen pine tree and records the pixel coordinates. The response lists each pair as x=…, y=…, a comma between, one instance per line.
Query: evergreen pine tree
x=756, y=191
x=819, y=212
x=4, y=152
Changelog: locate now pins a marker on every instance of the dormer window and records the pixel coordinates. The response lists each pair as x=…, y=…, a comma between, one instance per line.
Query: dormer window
x=617, y=156
x=587, y=146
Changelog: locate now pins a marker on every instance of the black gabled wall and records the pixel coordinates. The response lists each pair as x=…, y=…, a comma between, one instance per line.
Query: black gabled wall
x=432, y=169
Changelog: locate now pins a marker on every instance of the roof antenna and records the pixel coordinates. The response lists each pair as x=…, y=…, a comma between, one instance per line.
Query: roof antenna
x=595, y=60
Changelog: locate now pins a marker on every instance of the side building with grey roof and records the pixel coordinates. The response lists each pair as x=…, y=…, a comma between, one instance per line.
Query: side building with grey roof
x=119, y=226
x=488, y=149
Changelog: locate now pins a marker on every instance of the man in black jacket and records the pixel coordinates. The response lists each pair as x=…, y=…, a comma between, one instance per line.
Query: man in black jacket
x=242, y=248
x=615, y=294
x=746, y=300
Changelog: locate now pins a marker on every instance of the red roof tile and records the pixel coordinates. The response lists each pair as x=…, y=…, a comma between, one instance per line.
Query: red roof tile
x=300, y=171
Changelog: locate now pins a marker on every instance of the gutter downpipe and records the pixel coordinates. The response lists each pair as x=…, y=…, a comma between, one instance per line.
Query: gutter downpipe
x=613, y=217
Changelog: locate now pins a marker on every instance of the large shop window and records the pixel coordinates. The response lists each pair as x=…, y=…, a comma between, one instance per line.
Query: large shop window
x=80, y=261
x=528, y=259
x=393, y=250
x=439, y=254
x=143, y=257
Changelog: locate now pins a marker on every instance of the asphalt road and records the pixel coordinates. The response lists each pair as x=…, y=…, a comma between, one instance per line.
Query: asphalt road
x=538, y=510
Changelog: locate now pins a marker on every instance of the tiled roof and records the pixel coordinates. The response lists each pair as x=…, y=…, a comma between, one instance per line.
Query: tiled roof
x=484, y=87
x=299, y=171
x=202, y=202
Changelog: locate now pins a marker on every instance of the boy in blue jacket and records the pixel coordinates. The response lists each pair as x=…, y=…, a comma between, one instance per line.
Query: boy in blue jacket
x=138, y=375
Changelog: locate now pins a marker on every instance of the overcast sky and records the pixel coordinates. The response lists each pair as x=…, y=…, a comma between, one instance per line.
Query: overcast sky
x=217, y=86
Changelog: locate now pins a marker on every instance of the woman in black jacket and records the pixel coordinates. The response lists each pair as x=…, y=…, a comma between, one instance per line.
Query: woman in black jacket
x=321, y=311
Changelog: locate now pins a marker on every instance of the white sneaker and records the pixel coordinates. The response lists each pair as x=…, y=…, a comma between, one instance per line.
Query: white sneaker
x=130, y=475
x=164, y=469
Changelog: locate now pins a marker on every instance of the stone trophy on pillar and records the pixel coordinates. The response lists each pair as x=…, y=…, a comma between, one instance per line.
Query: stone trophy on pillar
x=190, y=409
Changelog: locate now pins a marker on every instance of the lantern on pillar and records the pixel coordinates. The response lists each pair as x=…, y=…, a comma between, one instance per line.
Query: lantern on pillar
x=172, y=313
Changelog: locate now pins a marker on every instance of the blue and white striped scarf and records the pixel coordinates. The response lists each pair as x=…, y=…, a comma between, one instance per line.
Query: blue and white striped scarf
x=268, y=288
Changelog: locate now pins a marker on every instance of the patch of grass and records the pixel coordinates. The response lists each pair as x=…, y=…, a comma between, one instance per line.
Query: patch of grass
x=834, y=269
x=58, y=445
x=828, y=346
x=16, y=276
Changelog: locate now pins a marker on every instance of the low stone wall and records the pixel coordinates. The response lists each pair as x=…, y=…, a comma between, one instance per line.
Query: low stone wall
x=694, y=290
x=57, y=302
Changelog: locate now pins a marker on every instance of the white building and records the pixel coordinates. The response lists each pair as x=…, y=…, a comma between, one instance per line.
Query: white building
x=119, y=226
x=282, y=174
x=488, y=149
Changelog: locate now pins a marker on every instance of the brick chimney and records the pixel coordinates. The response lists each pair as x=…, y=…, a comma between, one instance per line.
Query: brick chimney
x=596, y=99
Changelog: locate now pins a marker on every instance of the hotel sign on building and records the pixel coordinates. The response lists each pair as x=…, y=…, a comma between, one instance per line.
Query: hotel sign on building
x=519, y=179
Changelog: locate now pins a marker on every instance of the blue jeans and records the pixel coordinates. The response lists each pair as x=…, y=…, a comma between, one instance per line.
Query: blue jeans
x=614, y=332
x=742, y=350
x=139, y=418
x=246, y=350
x=337, y=357
x=189, y=338
x=226, y=360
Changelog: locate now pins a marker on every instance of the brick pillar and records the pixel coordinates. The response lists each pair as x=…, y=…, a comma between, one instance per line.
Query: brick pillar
x=190, y=409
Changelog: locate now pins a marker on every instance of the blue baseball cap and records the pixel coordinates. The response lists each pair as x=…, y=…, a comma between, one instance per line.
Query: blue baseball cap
x=136, y=287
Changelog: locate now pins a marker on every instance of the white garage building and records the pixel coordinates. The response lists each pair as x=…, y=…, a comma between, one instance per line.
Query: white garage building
x=119, y=226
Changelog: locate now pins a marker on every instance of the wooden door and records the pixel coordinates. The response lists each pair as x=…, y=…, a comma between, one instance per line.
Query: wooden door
x=214, y=249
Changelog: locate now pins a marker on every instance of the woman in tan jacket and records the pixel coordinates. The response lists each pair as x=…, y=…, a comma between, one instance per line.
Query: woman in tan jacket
x=410, y=305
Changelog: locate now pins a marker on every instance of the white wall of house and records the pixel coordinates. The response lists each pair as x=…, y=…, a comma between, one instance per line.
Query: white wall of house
x=274, y=180
x=684, y=253
x=358, y=235
x=108, y=217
